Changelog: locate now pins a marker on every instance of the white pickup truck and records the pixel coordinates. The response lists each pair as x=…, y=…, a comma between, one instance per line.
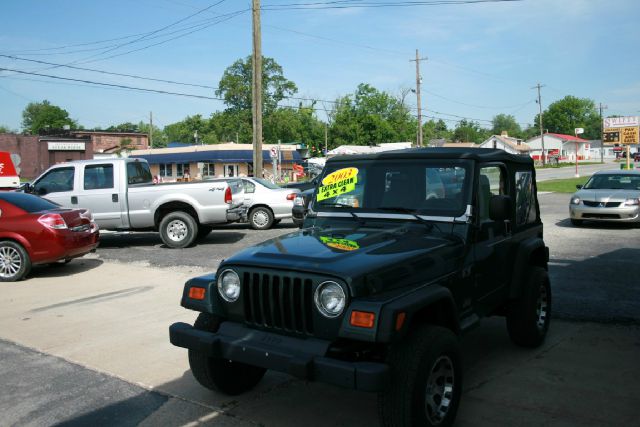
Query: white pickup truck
x=122, y=196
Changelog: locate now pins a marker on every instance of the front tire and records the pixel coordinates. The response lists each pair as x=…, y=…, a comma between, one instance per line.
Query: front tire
x=178, y=229
x=261, y=218
x=221, y=375
x=15, y=263
x=528, y=317
x=425, y=380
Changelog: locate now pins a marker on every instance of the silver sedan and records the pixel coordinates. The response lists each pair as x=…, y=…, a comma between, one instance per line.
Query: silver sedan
x=611, y=196
x=267, y=203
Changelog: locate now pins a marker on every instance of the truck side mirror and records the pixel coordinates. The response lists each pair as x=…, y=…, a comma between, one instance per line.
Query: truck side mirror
x=27, y=187
x=500, y=208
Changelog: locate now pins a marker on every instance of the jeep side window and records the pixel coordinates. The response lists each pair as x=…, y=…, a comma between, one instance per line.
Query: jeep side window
x=525, y=201
x=491, y=183
x=56, y=181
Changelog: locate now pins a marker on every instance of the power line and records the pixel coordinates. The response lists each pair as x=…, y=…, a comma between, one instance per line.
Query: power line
x=364, y=5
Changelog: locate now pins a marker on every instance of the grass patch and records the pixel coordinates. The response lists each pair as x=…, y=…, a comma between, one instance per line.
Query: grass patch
x=565, y=165
x=562, y=185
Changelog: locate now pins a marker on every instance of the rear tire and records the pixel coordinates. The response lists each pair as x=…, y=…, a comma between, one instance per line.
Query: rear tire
x=425, y=380
x=576, y=222
x=261, y=218
x=528, y=316
x=218, y=374
x=178, y=229
x=15, y=263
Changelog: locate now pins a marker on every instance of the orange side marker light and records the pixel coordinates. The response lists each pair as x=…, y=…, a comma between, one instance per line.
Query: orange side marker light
x=197, y=293
x=362, y=319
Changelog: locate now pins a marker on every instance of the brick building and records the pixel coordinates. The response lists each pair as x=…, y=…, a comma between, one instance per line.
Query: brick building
x=114, y=142
x=37, y=153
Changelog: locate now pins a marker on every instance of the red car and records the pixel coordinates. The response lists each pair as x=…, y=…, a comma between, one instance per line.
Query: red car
x=36, y=231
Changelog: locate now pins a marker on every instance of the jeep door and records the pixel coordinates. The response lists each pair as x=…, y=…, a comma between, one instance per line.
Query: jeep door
x=491, y=240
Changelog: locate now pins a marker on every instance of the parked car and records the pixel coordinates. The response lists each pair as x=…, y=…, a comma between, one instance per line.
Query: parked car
x=36, y=231
x=300, y=206
x=375, y=294
x=636, y=156
x=304, y=185
x=267, y=203
x=610, y=196
x=122, y=196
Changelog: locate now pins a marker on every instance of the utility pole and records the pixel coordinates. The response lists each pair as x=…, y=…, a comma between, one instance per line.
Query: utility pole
x=418, y=82
x=150, y=129
x=602, y=133
x=326, y=139
x=544, y=160
x=257, y=91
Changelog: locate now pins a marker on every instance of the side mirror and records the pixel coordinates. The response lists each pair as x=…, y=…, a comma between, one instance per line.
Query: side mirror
x=27, y=187
x=500, y=208
x=579, y=186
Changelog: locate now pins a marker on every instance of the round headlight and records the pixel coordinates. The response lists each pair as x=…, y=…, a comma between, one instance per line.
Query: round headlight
x=330, y=299
x=575, y=200
x=229, y=285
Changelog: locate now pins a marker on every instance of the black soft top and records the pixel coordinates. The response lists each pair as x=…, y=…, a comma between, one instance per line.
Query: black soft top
x=477, y=154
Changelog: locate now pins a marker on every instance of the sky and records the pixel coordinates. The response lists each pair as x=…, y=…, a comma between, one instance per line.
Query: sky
x=482, y=59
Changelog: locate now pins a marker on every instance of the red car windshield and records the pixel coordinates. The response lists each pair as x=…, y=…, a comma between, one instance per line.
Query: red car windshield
x=28, y=202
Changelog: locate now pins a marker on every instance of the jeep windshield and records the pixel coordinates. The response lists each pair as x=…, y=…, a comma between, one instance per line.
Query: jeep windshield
x=391, y=187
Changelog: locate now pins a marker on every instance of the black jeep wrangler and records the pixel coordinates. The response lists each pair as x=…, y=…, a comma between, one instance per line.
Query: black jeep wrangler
x=401, y=252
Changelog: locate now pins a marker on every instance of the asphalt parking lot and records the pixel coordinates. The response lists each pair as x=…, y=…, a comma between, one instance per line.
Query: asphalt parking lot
x=87, y=343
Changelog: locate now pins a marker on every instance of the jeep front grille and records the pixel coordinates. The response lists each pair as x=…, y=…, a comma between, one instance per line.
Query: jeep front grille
x=278, y=302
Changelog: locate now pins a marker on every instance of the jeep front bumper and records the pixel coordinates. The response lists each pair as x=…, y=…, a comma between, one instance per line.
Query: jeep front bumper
x=302, y=358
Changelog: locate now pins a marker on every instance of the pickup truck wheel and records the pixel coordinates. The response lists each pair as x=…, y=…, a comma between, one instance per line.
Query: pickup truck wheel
x=425, y=380
x=261, y=218
x=15, y=263
x=218, y=374
x=528, y=317
x=178, y=229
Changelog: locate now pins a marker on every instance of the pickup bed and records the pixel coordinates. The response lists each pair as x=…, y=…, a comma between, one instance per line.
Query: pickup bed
x=122, y=196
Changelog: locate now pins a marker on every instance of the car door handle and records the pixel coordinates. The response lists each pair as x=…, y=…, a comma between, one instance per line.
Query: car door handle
x=74, y=200
x=114, y=198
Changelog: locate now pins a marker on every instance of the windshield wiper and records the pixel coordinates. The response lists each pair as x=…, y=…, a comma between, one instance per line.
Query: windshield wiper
x=410, y=212
x=335, y=205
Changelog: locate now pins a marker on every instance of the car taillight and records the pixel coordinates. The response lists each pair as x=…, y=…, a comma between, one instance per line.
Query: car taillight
x=54, y=221
x=227, y=195
x=291, y=196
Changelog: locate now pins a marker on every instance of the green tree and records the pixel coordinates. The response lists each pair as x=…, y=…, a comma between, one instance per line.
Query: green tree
x=5, y=129
x=570, y=112
x=294, y=125
x=38, y=116
x=469, y=131
x=435, y=130
x=232, y=126
x=185, y=130
x=506, y=123
x=370, y=116
x=236, y=82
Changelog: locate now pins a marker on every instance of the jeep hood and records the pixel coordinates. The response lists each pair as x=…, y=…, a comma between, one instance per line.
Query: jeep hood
x=369, y=260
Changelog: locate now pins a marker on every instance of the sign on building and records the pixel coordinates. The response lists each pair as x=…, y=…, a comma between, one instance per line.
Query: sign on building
x=621, y=130
x=65, y=146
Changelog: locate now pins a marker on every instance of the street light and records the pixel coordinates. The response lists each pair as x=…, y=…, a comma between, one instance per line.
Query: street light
x=578, y=131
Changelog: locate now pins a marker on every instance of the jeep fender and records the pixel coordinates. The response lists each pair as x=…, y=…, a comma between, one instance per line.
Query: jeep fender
x=210, y=304
x=413, y=304
x=531, y=252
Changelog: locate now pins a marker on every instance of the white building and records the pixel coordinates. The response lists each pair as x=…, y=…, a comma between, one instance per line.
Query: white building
x=563, y=146
x=366, y=149
x=507, y=143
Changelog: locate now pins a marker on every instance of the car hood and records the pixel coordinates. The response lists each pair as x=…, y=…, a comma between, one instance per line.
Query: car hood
x=369, y=260
x=606, y=195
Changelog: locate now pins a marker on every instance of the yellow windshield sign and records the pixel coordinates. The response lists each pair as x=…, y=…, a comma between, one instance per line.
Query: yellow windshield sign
x=339, y=182
x=342, y=244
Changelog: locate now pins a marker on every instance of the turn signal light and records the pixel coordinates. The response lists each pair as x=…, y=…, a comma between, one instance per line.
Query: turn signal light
x=362, y=319
x=197, y=293
x=54, y=221
x=227, y=195
x=291, y=196
x=400, y=318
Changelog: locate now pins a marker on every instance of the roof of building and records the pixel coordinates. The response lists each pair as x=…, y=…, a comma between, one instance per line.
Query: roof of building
x=459, y=145
x=513, y=143
x=215, y=156
x=104, y=132
x=368, y=149
x=567, y=137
